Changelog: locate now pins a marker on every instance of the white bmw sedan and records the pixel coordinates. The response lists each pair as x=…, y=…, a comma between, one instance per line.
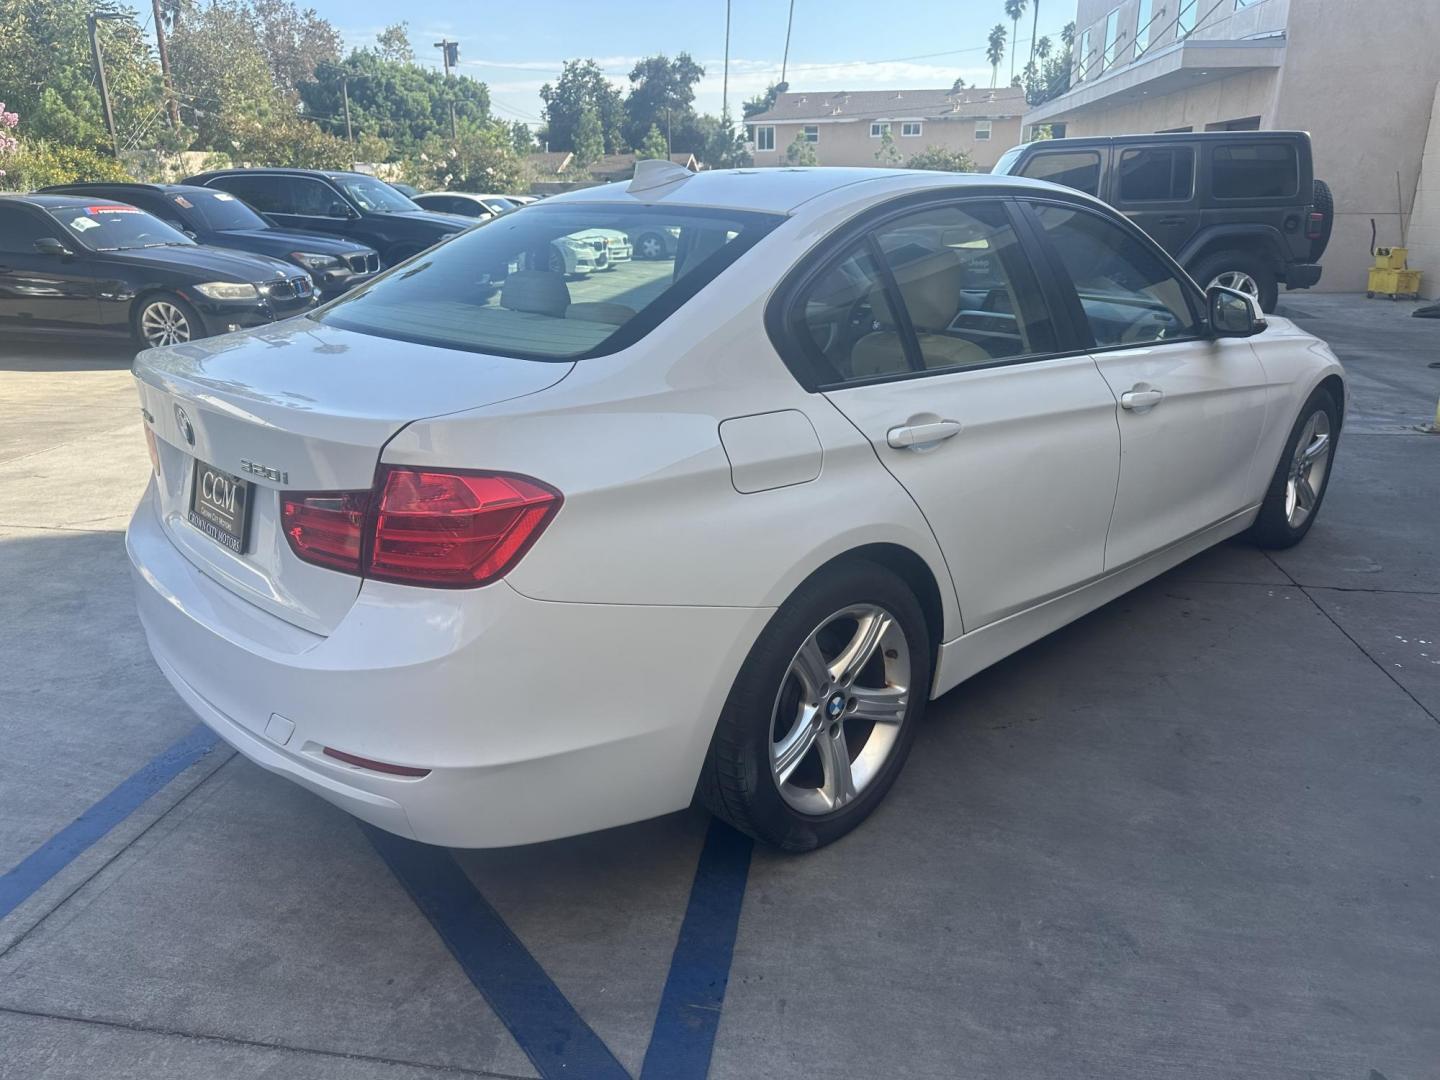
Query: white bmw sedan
x=485, y=556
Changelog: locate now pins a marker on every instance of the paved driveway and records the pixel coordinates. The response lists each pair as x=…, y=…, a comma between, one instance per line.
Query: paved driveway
x=1192, y=835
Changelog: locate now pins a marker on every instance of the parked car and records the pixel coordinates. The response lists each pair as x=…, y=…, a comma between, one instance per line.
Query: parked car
x=523, y=567
x=523, y=200
x=91, y=267
x=1240, y=209
x=408, y=190
x=219, y=219
x=656, y=243
x=589, y=250
x=345, y=204
x=466, y=204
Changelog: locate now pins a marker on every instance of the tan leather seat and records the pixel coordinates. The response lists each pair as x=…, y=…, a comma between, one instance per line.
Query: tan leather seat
x=537, y=291
x=931, y=287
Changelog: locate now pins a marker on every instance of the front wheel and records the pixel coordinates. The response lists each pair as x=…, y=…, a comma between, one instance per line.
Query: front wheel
x=1298, y=486
x=165, y=320
x=823, y=713
x=1243, y=271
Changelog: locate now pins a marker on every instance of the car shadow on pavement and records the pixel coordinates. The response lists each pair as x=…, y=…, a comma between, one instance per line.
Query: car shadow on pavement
x=66, y=356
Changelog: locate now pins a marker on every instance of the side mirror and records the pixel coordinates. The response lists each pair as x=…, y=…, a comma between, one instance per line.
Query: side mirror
x=339, y=209
x=1233, y=314
x=48, y=245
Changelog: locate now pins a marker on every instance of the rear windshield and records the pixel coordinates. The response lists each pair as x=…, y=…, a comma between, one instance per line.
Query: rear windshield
x=108, y=227
x=552, y=282
x=221, y=210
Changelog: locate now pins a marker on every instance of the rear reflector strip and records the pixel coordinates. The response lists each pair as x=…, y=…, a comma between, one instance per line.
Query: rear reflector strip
x=373, y=766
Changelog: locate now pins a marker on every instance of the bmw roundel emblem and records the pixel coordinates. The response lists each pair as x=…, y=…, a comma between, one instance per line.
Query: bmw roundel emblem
x=186, y=428
x=835, y=706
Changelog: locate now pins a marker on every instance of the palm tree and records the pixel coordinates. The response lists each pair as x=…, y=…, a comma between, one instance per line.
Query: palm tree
x=1042, y=48
x=1067, y=35
x=995, y=52
x=1014, y=9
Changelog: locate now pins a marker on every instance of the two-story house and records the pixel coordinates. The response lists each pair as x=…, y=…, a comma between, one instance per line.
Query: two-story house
x=1360, y=77
x=848, y=127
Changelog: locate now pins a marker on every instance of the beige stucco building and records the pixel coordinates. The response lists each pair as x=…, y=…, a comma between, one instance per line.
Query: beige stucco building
x=1359, y=75
x=849, y=127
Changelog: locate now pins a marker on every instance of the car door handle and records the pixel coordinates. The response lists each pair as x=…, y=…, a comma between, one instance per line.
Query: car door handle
x=914, y=436
x=1141, y=399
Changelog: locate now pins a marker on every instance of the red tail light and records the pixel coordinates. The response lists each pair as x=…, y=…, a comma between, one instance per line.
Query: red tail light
x=1315, y=225
x=423, y=526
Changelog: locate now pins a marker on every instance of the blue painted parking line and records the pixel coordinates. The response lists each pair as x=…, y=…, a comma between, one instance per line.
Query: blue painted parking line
x=689, y=1013
x=529, y=1004
x=64, y=847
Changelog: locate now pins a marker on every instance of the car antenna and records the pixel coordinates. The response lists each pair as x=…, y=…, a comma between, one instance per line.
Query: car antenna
x=657, y=172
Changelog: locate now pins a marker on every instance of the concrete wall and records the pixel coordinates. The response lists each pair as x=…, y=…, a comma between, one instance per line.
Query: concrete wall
x=1251, y=93
x=1224, y=22
x=849, y=143
x=1424, y=231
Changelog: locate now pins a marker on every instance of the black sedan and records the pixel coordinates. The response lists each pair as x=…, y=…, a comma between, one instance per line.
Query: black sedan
x=95, y=268
x=220, y=219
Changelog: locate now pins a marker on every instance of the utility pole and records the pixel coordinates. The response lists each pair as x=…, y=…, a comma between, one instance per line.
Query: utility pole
x=91, y=21
x=172, y=108
x=725, y=84
x=450, y=52
x=345, y=95
x=789, y=22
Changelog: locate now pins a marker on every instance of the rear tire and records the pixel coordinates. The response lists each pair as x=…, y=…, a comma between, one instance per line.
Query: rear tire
x=1302, y=477
x=798, y=709
x=164, y=319
x=1324, y=203
x=1244, y=270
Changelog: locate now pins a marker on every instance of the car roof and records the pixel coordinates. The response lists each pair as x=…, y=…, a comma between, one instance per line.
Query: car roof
x=1165, y=136
x=128, y=185
x=782, y=190
x=329, y=174
x=46, y=200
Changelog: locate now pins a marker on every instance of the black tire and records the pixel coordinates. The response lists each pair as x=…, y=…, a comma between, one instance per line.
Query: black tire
x=1260, y=268
x=149, y=306
x=1272, y=527
x=737, y=783
x=1323, y=202
x=652, y=240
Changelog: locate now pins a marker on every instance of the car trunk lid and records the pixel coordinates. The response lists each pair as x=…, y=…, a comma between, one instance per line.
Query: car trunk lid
x=294, y=407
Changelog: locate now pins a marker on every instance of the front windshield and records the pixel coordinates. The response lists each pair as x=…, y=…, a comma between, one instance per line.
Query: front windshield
x=111, y=227
x=374, y=195
x=221, y=210
x=1007, y=161
x=555, y=282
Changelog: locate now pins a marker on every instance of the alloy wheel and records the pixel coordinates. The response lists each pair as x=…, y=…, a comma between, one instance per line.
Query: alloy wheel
x=837, y=716
x=651, y=247
x=1306, y=477
x=162, y=323
x=1239, y=281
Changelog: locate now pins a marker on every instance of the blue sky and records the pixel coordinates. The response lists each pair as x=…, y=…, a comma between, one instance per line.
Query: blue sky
x=836, y=44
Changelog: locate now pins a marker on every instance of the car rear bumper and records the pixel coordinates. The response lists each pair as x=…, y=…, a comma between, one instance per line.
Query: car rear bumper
x=535, y=719
x=1302, y=275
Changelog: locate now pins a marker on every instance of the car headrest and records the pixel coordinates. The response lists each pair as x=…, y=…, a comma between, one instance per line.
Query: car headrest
x=931, y=287
x=538, y=291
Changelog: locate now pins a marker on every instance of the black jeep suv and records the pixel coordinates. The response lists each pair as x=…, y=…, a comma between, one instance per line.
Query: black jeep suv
x=351, y=205
x=1236, y=208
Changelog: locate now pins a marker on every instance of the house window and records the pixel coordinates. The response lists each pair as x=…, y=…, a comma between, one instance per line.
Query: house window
x=1185, y=18
x=982, y=130
x=1143, y=16
x=764, y=138
x=879, y=130
x=1083, y=67
x=910, y=127
x=1112, y=36
x=812, y=133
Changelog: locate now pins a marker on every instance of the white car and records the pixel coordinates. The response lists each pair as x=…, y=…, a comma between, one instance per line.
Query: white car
x=589, y=250
x=466, y=204
x=486, y=566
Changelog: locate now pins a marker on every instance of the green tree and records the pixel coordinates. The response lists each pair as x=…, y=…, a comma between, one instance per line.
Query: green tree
x=941, y=159
x=957, y=85
x=222, y=77
x=662, y=94
x=888, y=156
x=653, y=145
x=522, y=139
x=1049, y=75
x=482, y=158
x=722, y=144
x=294, y=42
x=1015, y=9
x=801, y=152
x=403, y=104
x=764, y=102
x=995, y=51
x=582, y=84
x=589, y=139
x=393, y=44
x=46, y=72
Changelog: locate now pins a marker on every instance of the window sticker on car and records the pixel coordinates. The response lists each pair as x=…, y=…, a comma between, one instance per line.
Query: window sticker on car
x=111, y=210
x=222, y=196
x=80, y=224
x=180, y=200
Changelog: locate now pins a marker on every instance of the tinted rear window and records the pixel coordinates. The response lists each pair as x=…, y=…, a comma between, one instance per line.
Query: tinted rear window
x=553, y=282
x=1255, y=171
x=1078, y=169
x=1156, y=173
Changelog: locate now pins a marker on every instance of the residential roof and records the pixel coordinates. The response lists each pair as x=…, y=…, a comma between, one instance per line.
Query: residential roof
x=624, y=164
x=892, y=105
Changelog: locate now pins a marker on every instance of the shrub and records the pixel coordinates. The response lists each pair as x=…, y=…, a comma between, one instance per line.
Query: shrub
x=37, y=163
x=940, y=159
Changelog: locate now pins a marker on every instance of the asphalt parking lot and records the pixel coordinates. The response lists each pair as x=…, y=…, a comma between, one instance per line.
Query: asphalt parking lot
x=1192, y=835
